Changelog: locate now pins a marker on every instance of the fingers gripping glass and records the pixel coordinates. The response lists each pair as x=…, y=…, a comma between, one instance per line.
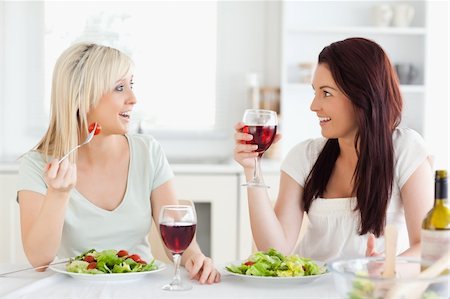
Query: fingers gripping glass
x=262, y=124
x=177, y=224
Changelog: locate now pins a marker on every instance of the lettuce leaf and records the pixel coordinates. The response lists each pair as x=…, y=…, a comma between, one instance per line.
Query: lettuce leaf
x=274, y=263
x=107, y=262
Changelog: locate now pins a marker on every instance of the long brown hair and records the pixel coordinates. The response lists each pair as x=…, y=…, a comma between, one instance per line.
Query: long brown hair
x=363, y=72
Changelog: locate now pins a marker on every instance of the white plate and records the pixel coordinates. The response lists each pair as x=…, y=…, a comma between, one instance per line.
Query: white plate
x=272, y=279
x=107, y=277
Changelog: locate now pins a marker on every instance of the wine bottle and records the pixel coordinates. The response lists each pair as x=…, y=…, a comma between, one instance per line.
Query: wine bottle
x=436, y=225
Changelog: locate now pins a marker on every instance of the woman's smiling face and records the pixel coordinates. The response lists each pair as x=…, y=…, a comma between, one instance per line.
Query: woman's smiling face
x=335, y=111
x=114, y=108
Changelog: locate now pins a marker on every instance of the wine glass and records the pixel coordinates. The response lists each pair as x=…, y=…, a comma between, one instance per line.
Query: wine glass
x=262, y=124
x=177, y=224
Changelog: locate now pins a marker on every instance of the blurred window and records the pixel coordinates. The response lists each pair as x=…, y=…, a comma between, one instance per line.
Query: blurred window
x=173, y=45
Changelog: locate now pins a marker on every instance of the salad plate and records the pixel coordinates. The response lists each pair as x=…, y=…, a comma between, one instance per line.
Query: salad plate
x=275, y=279
x=273, y=266
x=61, y=268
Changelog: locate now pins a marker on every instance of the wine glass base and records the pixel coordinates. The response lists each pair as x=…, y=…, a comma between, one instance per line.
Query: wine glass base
x=177, y=287
x=255, y=185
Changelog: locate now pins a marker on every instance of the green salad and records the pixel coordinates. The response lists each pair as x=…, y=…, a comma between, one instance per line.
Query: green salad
x=274, y=263
x=108, y=261
x=363, y=288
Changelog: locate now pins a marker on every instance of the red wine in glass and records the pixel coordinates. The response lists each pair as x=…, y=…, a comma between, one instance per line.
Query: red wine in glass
x=262, y=125
x=177, y=224
x=263, y=136
x=177, y=236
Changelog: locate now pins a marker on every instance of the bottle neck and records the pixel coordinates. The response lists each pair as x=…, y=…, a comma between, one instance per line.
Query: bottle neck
x=440, y=202
x=440, y=190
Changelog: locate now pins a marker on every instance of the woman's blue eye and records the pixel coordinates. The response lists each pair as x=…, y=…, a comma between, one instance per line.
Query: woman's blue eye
x=119, y=88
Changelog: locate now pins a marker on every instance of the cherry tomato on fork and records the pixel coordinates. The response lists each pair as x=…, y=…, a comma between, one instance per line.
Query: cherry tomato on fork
x=97, y=130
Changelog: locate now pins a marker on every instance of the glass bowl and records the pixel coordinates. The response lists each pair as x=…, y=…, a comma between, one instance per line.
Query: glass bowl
x=362, y=278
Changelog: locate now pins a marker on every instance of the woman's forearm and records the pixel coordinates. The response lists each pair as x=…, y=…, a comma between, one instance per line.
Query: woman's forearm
x=193, y=249
x=413, y=250
x=42, y=240
x=267, y=230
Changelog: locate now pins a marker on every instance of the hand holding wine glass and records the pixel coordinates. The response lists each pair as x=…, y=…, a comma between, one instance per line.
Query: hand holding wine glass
x=177, y=224
x=262, y=125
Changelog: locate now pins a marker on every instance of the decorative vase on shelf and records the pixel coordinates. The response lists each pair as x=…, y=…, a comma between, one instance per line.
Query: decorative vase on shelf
x=403, y=15
x=382, y=15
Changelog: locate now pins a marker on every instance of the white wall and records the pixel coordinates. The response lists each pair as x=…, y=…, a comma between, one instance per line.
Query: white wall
x=437, y=110
x=2, y=67
x=22, y=72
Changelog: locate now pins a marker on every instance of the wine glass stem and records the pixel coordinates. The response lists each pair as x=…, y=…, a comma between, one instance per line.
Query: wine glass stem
x=257, y=171
x=176, y=278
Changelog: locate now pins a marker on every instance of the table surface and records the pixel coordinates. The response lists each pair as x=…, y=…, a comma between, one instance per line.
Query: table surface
x=48, y=284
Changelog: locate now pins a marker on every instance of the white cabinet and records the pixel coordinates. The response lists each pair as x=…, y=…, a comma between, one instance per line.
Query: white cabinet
x=308, y=26
x=246, y=246
x=11, y=248
x=219, y=192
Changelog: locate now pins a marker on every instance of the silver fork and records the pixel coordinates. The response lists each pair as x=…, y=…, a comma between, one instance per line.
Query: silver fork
x=34, y=268
x=88, y=139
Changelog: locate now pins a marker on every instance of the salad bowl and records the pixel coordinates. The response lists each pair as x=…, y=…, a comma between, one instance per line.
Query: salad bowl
x=361, y=278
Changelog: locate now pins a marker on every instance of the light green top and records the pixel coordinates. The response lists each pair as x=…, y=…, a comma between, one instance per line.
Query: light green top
x=88, y=226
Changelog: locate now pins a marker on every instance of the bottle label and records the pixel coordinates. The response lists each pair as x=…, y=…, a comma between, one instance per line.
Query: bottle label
x=435, y=243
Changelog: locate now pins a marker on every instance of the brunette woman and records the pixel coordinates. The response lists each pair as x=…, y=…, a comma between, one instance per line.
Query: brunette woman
x=364, y=173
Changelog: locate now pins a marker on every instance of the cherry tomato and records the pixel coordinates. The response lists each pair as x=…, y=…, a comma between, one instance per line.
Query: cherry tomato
x=142, y=262
x=89, y=258
x=122, y=253
x=97, y=130
x=92, y=265
x=135, y=257
x=249, y=263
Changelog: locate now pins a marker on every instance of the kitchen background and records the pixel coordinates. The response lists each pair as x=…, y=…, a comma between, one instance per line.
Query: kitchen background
x=198, y=66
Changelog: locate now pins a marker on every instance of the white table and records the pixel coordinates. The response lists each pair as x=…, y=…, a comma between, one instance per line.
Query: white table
x=36, y=285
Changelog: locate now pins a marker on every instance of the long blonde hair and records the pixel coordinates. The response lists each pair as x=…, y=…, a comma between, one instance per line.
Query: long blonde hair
x=82, y=75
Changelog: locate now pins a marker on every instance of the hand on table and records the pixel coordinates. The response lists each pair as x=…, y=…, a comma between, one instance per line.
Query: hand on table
x=201, y=268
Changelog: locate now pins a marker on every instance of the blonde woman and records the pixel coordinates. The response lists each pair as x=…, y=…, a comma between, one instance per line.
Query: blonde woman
x=105, y=194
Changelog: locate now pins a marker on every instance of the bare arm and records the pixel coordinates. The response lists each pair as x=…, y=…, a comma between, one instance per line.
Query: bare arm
x=42, y=217
x=195, y=262
x=277, y=228
x=417, y=196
